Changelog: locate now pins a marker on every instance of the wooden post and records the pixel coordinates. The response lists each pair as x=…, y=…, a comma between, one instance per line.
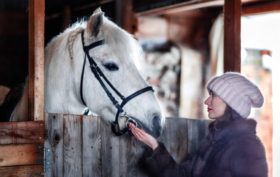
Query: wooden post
x=36, y=59
x=125, y=15
x=232, y=17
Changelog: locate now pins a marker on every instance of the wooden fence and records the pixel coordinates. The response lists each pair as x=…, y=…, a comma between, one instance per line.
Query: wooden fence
x=84, y=146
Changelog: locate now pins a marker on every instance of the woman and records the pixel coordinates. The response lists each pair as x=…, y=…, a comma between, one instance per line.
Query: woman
x=231, y=148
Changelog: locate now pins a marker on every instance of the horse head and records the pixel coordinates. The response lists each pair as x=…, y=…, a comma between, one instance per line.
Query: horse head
x=92, y=65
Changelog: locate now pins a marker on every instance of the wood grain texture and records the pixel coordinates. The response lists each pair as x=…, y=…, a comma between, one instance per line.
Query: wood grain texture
x=72, y=146
x=22, y=171
x=232, y=36
x=21, y=132
x=36, y=27
x=22, y=154
x=91, y=138
x=91, y=149
x=54, y=145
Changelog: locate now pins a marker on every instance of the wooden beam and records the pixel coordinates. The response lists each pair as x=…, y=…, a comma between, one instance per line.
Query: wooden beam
x=36, y=59
x=232, y=18
x=125, y=15
x=187, y=6
x=23, y=154
x=181, y=7
x=22, y=171
x=21, y=132
x=261, y=7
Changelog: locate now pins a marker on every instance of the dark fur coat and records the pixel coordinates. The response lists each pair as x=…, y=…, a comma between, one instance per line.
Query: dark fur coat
x=231, y=149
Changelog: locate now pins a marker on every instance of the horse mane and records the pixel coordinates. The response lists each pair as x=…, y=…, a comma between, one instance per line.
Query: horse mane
x=113, y=34
x=71, y=34
x=71, y=39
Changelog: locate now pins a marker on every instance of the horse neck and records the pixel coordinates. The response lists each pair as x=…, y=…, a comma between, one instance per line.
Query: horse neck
x=62, y=74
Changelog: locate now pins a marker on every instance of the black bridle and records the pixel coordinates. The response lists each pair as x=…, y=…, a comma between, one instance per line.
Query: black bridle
x=102, y=79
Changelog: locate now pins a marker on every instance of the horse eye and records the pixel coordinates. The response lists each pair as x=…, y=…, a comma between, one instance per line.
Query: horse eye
x=111, y=66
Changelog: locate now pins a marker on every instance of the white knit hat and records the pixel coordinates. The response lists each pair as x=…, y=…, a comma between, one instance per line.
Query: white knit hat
x=237, y=91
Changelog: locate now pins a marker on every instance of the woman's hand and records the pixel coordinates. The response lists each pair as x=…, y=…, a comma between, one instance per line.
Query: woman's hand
x=144, y=137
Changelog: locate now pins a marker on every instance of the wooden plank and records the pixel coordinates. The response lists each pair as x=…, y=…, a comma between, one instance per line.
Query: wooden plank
x=21, y=132
x=156, y=7
x=120, y=154
x=36, y=58
x=181, y=7
x=123, y=161
x=25, y=154
x=72, y=146
x=109, y=153
x=171, y=137
x=54, y=145
x=261, y=7
x=130, y=151
x=91, y=146
x=197, y=130
x=22, y=171
x=232, y=20
x=91, y=149
x=186, y=138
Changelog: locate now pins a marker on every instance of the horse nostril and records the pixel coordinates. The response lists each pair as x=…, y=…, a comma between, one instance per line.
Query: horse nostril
x=157, y=125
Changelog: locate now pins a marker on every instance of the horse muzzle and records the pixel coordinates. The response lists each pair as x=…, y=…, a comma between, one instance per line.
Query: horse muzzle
x=122, y=126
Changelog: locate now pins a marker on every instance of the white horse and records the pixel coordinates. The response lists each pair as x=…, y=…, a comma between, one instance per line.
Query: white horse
x=81, y=56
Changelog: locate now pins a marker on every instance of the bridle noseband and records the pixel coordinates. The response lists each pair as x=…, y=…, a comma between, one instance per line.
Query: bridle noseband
x=102, y=79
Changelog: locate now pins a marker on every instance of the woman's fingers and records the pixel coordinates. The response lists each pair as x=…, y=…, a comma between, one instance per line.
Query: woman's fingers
x=132, y=126
x=138, y=133
x=141, y=135
x=134, y=130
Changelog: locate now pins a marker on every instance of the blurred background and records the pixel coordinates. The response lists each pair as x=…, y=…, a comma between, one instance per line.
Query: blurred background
x=183, y=44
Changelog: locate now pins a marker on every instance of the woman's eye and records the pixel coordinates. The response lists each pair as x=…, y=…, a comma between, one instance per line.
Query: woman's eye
x=111, y=66
x=211, y=93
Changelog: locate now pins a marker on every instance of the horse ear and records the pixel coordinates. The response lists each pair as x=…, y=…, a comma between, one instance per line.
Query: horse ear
x=95, y=22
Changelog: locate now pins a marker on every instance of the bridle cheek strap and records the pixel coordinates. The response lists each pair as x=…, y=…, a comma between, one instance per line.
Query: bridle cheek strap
x=115, y=125
x=130, y=97
x=102, y=79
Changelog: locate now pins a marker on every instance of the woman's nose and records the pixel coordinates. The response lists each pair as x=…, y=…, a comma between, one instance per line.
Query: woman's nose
x=207, y=101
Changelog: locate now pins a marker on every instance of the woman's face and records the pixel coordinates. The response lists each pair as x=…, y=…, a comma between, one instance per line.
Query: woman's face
x=215, y=106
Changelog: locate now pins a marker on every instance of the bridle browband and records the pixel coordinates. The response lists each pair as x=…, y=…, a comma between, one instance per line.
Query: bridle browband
x=102, y=79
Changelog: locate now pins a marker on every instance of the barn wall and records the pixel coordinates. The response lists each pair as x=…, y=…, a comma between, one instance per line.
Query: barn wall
x=13, y=47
